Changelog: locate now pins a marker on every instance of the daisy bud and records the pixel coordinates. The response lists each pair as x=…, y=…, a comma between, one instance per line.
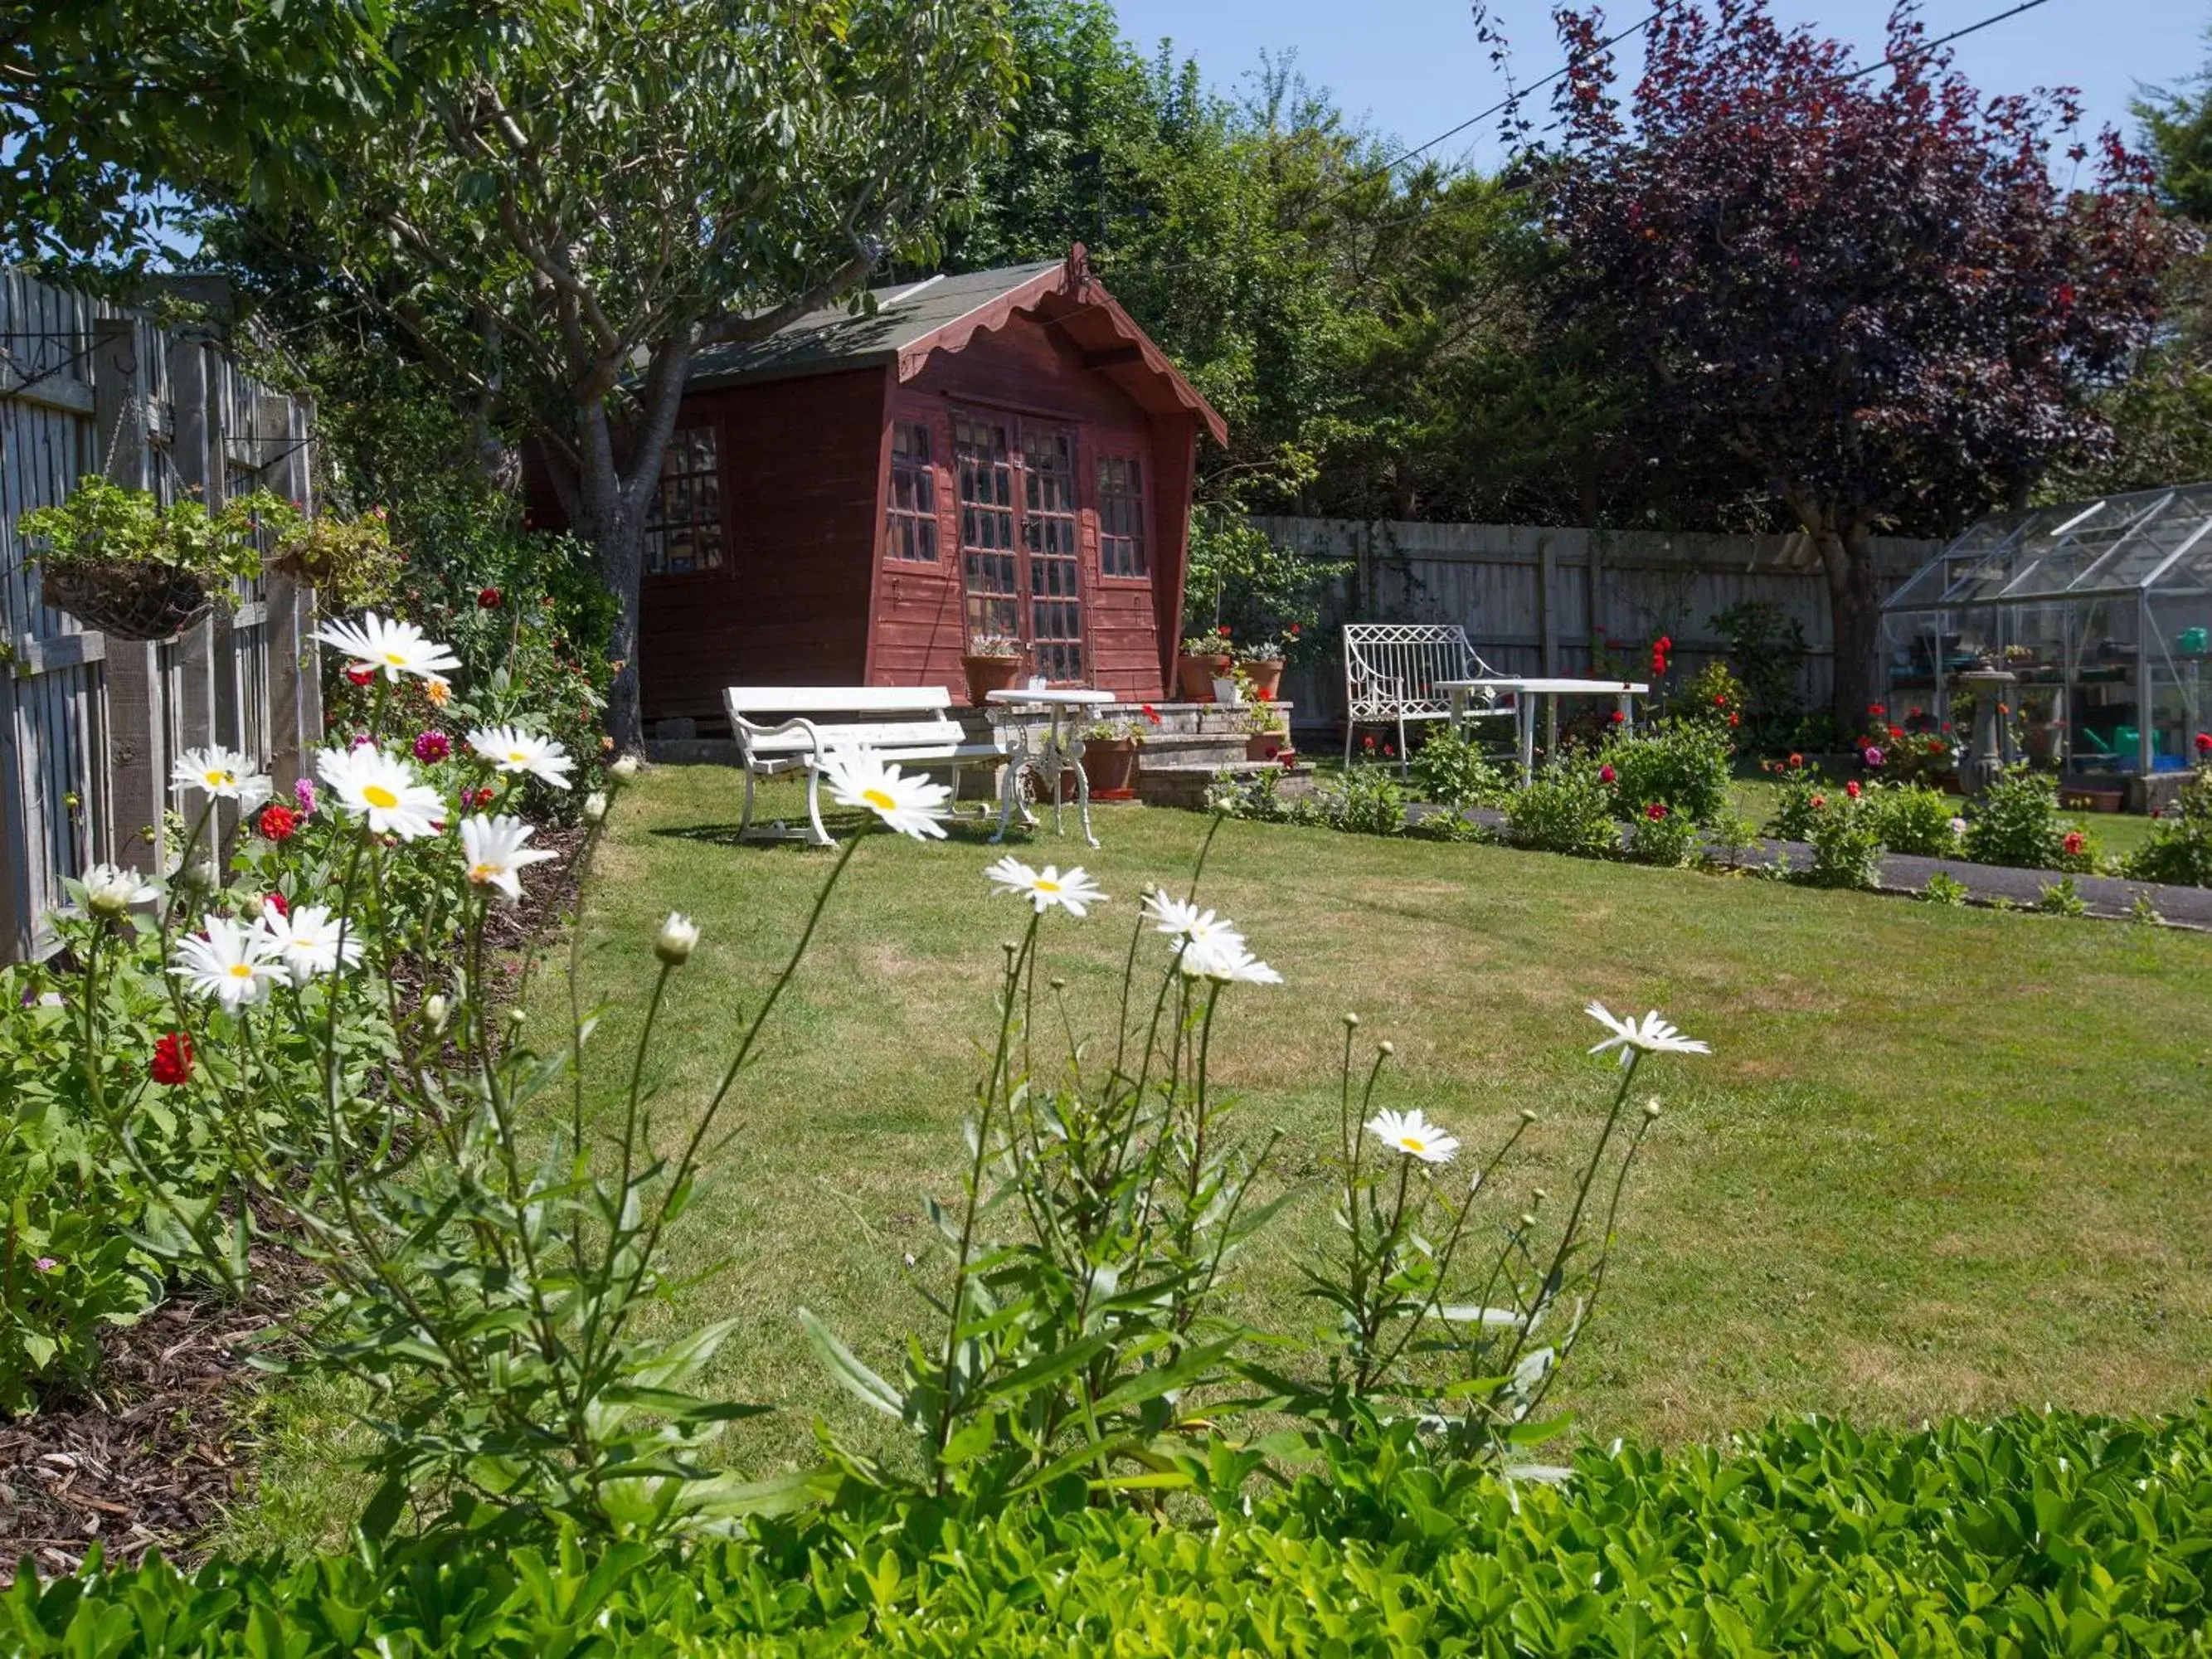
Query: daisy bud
x=1651, y=1107
x=1350, y=1022
x=623, y=770
x=1387, y=1047
x=595, y=807
x=1058, y=983
x=1537, y=1195
x=435, y=1009
x=199, y=877
x=678, y=934
x=514, y=1017
x=250, y=907
x=1527, y=1220
x=1527, y=1116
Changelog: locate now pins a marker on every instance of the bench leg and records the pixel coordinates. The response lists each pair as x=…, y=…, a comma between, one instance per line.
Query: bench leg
x=745, y=822
x=821, y=836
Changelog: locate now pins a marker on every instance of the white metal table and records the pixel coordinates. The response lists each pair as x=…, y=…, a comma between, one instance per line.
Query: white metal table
x=1057, y=752
x=1526, y=693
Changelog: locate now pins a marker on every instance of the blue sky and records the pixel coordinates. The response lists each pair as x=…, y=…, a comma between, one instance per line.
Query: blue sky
x=1413, y=68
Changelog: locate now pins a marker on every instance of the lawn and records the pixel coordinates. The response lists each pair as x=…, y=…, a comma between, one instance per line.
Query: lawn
x=1940, y=1160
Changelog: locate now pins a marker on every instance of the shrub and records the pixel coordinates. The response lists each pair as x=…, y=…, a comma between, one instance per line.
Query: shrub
x=1683, y=765
x=1846, y=844
x=1366, y=800
x=1945, y=890
x=2061, y=898
x=1565, y=808
x=2016, y=822
x=1451, y=769
x=1658, y=836
x=1714, y=696
x=2179, y=849
x=1766, y=653
x=1912, y=819
x=1803, y=795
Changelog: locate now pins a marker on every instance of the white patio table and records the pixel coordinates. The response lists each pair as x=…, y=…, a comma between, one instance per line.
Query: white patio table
x=1056, y=753
x=1527, y=691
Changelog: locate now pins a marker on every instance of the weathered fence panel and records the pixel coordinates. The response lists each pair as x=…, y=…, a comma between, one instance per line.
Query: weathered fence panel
x=1552, y=601
x=90, y=727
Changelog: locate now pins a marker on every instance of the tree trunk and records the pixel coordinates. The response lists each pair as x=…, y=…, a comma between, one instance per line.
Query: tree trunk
x=1855, y=599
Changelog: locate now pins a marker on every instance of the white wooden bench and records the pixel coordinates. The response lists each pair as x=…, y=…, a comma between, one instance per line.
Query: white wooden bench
x=784, y=728
x=1393, y=673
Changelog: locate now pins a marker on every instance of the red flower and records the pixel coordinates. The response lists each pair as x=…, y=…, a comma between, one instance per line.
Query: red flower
x=1665, y=644
x=1293, y=630
x=277, y=823
x=1915, y=714
x=1260, y=695
x=1796, y=760
x=1151, y=713
x=1655, y=811
x=360, y=674
x=433, y=746
x=2204, y=743
x=2072, y=843
x=1368, y=744
x=1605, y=774
x=1735, y=719
x=1876, y=710
x=1391, y=751
x=487, y=599
x=1720, y=699
x=1896, y=731
x=1852, y=788
x=1819, y=801
x=172, y=1060
x=278, y=902
x=484, y=796
x=1946, y=726
x=1617, y=717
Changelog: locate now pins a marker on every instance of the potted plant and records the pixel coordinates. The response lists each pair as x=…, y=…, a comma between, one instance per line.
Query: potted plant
x=1205, y=658
x=991, y=663
x=351, y=560
x=1262, y=663
x=119, y=561
x=1268, y=733
x=1109, y=758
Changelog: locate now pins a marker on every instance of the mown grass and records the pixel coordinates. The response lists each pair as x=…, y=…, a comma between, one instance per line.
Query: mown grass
x=1941, y=1160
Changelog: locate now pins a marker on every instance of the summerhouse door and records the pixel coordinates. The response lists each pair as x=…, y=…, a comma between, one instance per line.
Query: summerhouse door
x=1020, y=559
x=1049, y=542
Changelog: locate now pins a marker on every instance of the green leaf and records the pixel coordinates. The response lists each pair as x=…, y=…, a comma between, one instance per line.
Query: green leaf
x=843, y=1365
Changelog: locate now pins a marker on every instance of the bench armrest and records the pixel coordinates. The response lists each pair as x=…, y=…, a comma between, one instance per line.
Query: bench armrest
x=747, y=731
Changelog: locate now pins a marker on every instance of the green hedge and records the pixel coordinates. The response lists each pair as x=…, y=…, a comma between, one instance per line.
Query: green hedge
x=2055, y=1534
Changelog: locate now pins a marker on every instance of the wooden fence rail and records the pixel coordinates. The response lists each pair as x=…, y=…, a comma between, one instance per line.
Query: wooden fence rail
x=90, y=725
x=1551, y=601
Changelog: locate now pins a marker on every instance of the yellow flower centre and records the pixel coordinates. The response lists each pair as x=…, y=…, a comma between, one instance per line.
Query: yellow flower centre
x=378, y=797
x=484, y=873
x=879, y=800
x=241, y=971
x=395, y=660
x=1044, y=887
x=518, y=758
x=1412, y=1143
x=221, y=779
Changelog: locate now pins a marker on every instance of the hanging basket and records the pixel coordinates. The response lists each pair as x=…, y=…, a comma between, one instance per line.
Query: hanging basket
x=126, y=601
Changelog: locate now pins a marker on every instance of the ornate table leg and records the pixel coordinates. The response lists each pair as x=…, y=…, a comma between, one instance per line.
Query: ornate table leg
x=1017, y=757
x=1075, y=747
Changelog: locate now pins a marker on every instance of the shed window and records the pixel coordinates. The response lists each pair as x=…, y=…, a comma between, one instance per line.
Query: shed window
x=683, y=527
x=1049, y=535
x=1121, y=517
x=911, y=520
x=986, y=527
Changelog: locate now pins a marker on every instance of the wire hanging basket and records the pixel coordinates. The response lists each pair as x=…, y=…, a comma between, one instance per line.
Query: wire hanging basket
x=126, y=601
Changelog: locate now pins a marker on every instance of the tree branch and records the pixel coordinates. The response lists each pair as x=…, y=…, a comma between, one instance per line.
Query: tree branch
x=731, y=327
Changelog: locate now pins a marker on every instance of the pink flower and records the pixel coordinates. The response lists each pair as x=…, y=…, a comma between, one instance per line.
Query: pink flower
x=45, y=1264
x=433, y=746
x=1872, y=756
x=304, y=793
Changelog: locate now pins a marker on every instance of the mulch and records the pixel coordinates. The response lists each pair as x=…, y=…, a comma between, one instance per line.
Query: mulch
x=151, y=1456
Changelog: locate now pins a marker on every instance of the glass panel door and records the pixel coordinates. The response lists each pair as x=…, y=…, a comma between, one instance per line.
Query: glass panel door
x=1048, y=538
x=987, y=526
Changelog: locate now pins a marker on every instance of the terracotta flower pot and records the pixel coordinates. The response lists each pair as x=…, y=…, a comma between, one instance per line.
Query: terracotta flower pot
x=1194, y=676
x=987, y=674
x=1266, y=675
x=1110, y=763
x=1263, y=746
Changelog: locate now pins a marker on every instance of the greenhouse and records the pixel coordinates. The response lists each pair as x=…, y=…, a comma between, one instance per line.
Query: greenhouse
x=2101, y=611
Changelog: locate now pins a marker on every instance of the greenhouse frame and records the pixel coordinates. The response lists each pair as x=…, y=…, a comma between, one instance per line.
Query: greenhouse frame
x=2101, y=608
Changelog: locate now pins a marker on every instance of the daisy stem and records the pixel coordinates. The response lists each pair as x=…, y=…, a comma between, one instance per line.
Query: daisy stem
x=1605, y=1255
x=1444, y=1256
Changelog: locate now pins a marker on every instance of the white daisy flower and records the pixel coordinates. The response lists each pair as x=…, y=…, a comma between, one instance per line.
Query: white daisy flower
x=1413, y=1135
x=1073, y=892
x=858, y=777
x=397, y=648
x=110, y=890
x=1227, y=960
x=226, y=960
x=372, y=784
x=223, y=773
x=512, y=751
x=1186, y=923
x=493, y=850
x=1650, y=1035
x=305, y=943
x=677, y=939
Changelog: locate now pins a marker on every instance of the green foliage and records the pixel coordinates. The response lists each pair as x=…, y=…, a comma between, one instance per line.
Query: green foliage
x=1803, y=795
x=2016, y=822
x=1912, y=819
x=1713, y=694
x=1451, y=769
x=1659, y=836
x=2179, y=849
x=1260, y=590
x=2060, y=898
x=1683, y=763
x=1846, y=844
x=1766, y=654
x=1565, y=808
x=2037, y=1534
x=101, y=526
x=1945, y=890
x=1366, y=800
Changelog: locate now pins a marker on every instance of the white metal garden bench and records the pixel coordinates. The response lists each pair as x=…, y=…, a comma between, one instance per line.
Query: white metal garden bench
x=783, y=728
x=1394, y=672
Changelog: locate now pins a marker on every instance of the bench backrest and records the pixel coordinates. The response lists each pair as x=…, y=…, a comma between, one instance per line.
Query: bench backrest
x=1391, y=669
x=866, y=716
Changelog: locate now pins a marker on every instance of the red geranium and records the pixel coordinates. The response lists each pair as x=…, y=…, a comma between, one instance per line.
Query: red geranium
x=1655, y=811
x=2072, y=843
x=1819, y=801
x=2204, y=743
x=1617, y=717
x=360, y=674
x=1735, y=719
x=277, y=823
x=1797, y=761
x=487, y=599
x=278, y=902
x=1368, y=744
x=1151, y=713
x=172, y=1060
x=1720, y=699
x=1852, y=788
x=1605, y=774
x=1876, y=710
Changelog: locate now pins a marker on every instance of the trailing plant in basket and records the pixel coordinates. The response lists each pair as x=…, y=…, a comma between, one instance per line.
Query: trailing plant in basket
x=120, y=560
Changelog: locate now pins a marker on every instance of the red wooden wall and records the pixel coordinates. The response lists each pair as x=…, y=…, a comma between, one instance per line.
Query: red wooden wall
x=799, y=489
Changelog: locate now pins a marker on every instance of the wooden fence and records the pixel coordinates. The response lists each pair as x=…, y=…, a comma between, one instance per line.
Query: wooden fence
x=1549, y=601
x=90, y=725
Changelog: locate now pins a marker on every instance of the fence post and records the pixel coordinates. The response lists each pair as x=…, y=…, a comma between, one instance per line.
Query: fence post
x=136, y=790
x=196, y=453
x=1547, y=615
x=289, y=606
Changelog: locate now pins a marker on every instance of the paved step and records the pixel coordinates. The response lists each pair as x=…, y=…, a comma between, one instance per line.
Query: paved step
x=1186, y=786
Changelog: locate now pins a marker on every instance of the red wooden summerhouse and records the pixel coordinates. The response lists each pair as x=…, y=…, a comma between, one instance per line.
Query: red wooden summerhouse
x=854, y=500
